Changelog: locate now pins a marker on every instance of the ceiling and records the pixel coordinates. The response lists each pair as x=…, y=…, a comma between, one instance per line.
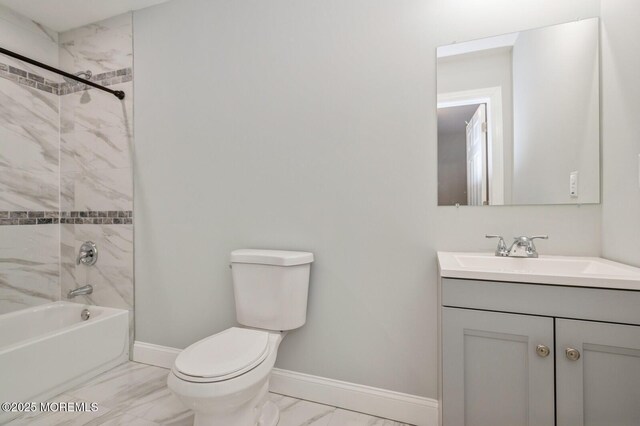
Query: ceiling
x=63, y=15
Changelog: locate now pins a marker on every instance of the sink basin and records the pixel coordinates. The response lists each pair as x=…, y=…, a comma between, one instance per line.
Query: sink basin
x=563, y=270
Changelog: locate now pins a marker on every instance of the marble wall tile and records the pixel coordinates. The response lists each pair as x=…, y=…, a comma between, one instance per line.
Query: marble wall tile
x=29, y=126
x=103, y=46
x=105, y=189
x=29, y=146
x=96, y=130
x=96, y=143
x=29, y=266
x=23, y=190
x=29, y=166
x=25, y=36
x=25, y=153
x=14, y=18
x=111, y=276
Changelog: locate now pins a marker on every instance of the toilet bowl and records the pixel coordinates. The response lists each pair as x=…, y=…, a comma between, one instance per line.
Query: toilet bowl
x=224, y=378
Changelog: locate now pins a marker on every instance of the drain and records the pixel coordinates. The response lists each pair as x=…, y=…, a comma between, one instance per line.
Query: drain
x=85, y=314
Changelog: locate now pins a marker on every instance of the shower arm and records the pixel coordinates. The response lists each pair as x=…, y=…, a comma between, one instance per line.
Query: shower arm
x=117, y=93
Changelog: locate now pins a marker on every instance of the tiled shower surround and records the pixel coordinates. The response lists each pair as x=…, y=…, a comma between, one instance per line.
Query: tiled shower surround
x=66, y=169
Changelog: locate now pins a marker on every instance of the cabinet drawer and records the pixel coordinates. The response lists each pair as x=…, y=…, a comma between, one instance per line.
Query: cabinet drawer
x=596, y=304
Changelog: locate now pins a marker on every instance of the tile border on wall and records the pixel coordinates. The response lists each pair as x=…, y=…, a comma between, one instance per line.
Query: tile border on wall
x=35, y=81
x=85, y=217
x=25, y=78
x=109, y=78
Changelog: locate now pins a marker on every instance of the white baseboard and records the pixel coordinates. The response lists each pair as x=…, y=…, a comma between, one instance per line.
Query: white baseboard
x=160, y=356
x=415, y=410
x=402, y=407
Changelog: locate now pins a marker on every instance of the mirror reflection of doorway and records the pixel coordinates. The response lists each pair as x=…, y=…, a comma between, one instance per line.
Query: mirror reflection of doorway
x=463, y=155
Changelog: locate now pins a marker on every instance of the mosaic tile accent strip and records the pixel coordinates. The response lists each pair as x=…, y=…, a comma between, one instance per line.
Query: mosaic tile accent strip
x=36, y=81
x=106, y=217
x=26, y=78
x=105, y=79
x=103, y=217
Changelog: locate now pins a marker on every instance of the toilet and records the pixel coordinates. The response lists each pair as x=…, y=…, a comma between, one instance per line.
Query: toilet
x=224, y=378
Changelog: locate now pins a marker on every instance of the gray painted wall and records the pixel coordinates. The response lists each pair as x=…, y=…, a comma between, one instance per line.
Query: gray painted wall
x=312, y=125
x=620, y=131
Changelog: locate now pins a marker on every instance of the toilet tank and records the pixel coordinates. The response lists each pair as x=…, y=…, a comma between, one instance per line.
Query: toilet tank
x=271, y=287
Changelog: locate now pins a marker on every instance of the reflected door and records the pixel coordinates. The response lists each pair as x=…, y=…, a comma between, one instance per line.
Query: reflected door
x=477, y=184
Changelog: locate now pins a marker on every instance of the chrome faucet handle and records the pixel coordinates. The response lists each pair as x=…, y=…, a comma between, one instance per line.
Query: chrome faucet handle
x=502, y=249
x=532, y=247
x=541, y=237
x=88, y=254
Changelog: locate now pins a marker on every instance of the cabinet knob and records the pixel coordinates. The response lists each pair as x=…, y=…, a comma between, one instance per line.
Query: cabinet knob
x=572, y=354
x=542, y=351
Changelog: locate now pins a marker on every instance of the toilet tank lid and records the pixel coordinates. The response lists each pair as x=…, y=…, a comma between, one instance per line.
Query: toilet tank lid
x=271, y=257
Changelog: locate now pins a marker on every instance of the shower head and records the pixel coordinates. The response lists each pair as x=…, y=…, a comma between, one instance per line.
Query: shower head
x=83, y=74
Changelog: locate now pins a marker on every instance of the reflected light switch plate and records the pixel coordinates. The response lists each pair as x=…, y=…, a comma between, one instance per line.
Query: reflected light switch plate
x=573, y=184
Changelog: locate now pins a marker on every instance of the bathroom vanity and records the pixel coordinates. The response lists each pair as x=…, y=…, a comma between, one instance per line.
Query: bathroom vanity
x=547, y=341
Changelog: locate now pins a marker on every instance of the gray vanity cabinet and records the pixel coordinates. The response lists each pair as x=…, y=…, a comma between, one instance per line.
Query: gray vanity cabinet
x=496, y=370
x=602, y=386
x=492, y=372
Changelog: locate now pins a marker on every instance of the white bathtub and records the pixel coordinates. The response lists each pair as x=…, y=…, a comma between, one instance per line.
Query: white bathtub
x=48, y=349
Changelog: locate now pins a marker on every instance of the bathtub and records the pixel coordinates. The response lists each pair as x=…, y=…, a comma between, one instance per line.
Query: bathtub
x=48, y=349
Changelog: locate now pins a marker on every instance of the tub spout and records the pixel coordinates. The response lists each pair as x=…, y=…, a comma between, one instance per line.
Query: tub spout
x=87, y=289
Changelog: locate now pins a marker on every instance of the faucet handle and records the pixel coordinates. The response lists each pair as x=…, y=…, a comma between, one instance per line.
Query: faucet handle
x=532, y=247
x=502, y=249
x=88, y=254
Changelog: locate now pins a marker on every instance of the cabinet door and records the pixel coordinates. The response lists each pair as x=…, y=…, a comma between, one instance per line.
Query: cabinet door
x=602, y=386
x=492, y=374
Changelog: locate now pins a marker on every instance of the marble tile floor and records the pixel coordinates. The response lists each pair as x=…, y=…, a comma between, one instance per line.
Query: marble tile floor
x=136, y=394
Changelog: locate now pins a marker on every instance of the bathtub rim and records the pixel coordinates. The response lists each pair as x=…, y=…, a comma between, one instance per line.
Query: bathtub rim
x=109, y=313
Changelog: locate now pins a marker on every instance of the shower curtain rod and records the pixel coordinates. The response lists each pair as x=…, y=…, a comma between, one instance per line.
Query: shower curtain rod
x=117, y=93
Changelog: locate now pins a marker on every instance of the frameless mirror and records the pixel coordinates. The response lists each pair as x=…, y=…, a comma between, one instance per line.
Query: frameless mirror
x=519, y=118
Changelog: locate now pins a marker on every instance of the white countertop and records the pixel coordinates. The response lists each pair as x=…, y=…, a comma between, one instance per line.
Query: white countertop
x=560, y=270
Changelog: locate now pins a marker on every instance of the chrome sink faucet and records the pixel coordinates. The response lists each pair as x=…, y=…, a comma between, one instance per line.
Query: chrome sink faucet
x=521, y=247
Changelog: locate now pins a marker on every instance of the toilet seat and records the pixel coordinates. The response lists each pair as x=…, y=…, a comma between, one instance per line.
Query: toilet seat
x=222, y=356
